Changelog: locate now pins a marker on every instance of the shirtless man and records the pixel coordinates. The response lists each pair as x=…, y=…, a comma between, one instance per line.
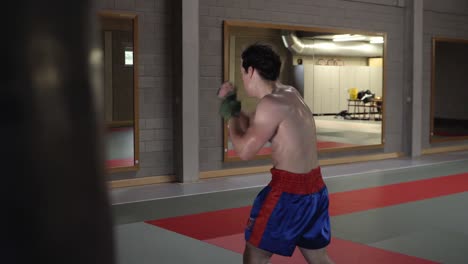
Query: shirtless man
x=293, y=209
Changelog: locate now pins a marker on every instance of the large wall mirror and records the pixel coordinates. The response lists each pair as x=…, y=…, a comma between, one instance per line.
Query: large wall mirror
x=449, y=107
x=340, y=74
x=120, y=48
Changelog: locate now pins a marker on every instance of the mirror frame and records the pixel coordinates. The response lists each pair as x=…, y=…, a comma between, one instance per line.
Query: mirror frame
x=136, y=131
x=226, y=49
x=432, y=139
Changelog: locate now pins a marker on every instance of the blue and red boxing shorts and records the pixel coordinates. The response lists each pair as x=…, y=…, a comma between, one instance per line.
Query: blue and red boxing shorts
x=291, y=211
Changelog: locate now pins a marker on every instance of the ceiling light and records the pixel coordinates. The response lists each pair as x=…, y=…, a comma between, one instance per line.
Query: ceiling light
x=285, y=42
x=376, y=40
x=348, y=37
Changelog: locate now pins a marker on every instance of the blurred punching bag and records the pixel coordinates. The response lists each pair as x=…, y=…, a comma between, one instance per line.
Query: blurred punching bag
x=54, y=202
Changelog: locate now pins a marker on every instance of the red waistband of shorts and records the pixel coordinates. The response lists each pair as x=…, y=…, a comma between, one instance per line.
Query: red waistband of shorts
x=297, y=183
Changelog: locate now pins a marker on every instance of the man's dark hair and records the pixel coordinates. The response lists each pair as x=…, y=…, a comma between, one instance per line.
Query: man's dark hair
x=263, y=59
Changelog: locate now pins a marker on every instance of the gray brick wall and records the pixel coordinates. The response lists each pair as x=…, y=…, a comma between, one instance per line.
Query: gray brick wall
x=158, y=78
x=156, y=19
x=441, y=19
x=385, y=16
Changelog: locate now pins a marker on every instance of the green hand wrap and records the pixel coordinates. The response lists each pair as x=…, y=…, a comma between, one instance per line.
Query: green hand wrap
x=230, y=106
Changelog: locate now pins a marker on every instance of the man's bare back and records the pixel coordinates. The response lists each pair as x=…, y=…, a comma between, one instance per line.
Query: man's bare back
x=283, y=118
x=294, y=146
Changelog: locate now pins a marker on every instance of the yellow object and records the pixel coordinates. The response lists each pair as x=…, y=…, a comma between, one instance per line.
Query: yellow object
x=353, y=93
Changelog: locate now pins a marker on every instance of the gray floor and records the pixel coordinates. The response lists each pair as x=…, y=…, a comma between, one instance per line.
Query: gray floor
x=168, y=190
x=434, y=229
x=356, y=132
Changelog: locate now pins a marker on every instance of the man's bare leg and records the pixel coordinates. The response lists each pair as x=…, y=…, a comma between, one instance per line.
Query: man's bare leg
x=316, y=256
x=254, y=255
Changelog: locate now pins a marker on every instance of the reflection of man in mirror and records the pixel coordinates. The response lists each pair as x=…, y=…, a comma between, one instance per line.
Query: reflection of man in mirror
x=293, y=209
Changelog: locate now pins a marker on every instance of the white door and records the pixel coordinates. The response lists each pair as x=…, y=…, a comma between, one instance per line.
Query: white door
x=322, y=88
x=376, y=80
x=326, y=88
x=347, y=81
x=309, y=88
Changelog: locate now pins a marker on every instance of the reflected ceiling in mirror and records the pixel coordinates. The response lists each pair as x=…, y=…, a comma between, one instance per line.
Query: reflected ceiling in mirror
x=119, y=38
x=339, y=73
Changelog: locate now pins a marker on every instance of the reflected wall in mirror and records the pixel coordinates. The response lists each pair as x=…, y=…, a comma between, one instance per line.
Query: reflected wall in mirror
x=449, y=108
x=339, y=73
x=119, y=43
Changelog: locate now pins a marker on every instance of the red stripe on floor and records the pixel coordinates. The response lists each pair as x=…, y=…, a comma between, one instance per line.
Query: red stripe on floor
x=377, y=197
x=262, y=151
x=320, y=145
x=114, y=163
x=341, y=251
x=207, y=225
x=332, y=144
